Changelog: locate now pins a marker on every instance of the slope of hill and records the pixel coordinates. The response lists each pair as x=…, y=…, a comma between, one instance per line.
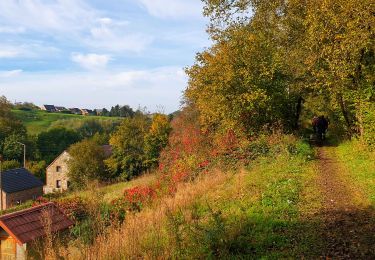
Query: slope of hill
x=279, y=207
x=37, y=121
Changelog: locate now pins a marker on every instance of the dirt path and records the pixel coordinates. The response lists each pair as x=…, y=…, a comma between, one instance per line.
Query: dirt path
x=348, y=229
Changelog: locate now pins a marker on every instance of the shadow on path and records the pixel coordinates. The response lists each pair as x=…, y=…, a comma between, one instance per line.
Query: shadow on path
x=348, y=231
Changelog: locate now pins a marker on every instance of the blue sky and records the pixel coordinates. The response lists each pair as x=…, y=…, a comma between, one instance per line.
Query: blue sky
x=98, y=53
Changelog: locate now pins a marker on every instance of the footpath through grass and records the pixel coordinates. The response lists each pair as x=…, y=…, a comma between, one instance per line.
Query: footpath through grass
x=348, y=216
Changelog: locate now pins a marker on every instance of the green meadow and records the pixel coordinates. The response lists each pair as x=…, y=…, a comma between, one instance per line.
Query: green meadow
x=37, y=121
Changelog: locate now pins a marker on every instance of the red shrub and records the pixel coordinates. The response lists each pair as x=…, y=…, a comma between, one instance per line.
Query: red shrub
x=39, y=201
x=136, y=197
x=73, y=207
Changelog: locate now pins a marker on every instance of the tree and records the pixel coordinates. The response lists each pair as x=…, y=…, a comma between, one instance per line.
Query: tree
x=240, y=84
x=38, y=168
x=12, y=149
x=105, y=112
x=8, y=123
x=121, y=111
x=53, y=142
x=128, y=147
x=269, y=56
x=342, y=56
x=89, y=128
x=9, y=165
x=86, y=163
x=126, y=111
x=157, y=138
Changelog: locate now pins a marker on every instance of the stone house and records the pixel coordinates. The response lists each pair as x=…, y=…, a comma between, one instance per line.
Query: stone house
x=57, y=179
x=19, y=230
x=57, y=174
x=18, y=186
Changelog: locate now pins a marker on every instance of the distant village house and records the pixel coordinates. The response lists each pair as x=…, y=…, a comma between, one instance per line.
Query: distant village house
x=18, y=186
x=87, y=112
x=49, y=108
x=60, y=109
x=98, y=112
x=75, y=111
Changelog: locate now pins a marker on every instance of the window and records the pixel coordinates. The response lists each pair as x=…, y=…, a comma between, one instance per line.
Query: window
x=58, y=184
x=35, y=197
x=58, y=168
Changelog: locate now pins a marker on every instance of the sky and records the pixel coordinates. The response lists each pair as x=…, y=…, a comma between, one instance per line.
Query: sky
x=99, y=53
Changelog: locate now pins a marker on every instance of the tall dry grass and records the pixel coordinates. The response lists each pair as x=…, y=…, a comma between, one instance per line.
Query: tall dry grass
x=146, y=234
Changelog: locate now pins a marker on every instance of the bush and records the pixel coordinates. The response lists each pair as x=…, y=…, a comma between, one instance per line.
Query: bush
x=38, y=169
x=369, y=127
x=302, y=149
x=9, y=165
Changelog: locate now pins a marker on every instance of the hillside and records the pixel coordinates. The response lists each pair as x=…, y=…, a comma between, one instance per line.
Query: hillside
x=283, y=205
x=37, y=121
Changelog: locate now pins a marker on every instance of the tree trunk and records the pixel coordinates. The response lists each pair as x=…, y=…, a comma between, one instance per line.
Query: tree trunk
x=298, y=113
x=345, y=113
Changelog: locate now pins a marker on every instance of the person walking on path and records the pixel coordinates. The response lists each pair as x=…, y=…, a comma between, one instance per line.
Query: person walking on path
x=321, y=128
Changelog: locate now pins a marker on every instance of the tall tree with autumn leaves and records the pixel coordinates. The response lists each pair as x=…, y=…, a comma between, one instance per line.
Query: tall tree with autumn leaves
x=269, y=56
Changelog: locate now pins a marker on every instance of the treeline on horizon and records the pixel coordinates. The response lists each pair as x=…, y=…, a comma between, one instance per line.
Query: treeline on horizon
x=114, y=111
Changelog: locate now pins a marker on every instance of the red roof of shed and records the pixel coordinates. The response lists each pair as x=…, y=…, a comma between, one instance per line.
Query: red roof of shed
x=27, y=225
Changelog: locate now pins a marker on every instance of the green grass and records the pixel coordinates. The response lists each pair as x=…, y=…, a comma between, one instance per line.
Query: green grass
x=113, y=191
x=360, y=164
x=37, y=121
x=259, y=215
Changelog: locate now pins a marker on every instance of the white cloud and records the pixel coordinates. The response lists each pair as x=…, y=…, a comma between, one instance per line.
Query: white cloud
x=174, y=8
x=114, y=36
x=91, y=61
x=10, y=73
x=151, y=88
x=9, y=53
x=71, y=20
x=12, y=30
x=31, y=50
x=47, y=16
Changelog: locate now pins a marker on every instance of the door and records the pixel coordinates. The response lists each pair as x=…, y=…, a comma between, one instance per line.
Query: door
x=8, y=249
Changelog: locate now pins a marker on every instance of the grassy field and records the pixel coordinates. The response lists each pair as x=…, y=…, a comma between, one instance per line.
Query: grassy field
x=258, y=212
x=37, y=121
x=281, y=207
x=114, y=191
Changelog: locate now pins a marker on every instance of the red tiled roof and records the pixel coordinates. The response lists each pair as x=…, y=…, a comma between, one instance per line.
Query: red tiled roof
x=27, y=225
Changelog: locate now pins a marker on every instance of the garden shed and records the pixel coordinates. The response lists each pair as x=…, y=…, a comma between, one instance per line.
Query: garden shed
x=19, y=229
